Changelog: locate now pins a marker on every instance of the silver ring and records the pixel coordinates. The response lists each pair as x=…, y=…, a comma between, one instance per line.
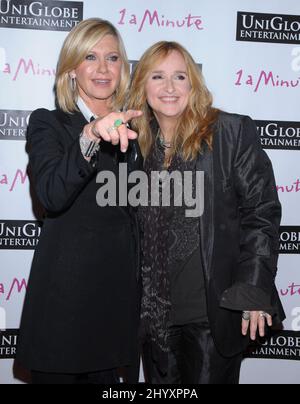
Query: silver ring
x=111, y=129
x=263, y=314
x=246, y=315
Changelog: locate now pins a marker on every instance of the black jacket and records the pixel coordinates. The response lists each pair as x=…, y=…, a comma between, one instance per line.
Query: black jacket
x=239, y=227
x=82, y=304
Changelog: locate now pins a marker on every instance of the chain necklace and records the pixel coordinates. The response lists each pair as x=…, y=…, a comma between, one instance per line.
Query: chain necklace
x=165, y=145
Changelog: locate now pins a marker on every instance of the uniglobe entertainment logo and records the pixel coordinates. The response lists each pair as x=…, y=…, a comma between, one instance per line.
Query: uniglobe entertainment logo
x=8, y=344
x=279, y=135
x=40, y=15
x=279, y=345
x=13, y=124
x=19, y=234
x=289, y=240
x=275, y=28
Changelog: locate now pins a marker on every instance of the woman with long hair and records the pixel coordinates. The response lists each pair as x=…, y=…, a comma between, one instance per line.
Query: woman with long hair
x=208, y=278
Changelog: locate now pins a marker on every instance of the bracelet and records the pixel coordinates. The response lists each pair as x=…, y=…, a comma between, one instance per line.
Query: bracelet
x=88, y=147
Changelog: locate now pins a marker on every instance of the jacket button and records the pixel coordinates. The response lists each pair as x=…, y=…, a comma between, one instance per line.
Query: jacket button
x=81, y=173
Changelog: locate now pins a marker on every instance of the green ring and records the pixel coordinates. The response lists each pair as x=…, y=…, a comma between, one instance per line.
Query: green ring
x=118, y=123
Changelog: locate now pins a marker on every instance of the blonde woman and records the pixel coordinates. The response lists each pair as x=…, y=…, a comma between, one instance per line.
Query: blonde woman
x=208, y=281
x=80, y=315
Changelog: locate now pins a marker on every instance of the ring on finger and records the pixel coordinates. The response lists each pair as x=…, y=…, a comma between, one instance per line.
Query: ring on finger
x=118, y=123
x=111, y=129
x=262, y=314
x=246, y=315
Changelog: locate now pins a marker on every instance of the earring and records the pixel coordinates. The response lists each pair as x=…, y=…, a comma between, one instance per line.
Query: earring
x=73, y=84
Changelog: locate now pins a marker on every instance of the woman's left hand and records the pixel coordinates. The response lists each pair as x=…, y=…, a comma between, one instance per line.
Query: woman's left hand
x=256, y=323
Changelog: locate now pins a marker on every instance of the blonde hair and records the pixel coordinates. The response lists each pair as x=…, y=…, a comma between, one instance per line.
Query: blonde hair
x=76, y=47
x=195, y=125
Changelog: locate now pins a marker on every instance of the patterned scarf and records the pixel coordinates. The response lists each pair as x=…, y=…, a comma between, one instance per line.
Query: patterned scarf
x=158, y=252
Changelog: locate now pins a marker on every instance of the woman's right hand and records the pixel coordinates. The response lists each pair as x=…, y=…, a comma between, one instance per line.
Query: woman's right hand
x=257, y=322
x=104, y=128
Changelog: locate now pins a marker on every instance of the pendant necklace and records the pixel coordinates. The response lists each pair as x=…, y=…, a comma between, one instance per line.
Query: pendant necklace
x=165, y=145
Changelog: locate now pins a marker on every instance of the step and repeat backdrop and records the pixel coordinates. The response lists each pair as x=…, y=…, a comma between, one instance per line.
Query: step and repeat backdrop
x=250, y=54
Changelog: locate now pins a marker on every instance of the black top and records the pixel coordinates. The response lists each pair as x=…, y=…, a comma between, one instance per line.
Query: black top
x=81, y=309
x=188, y=294
x=238, y=239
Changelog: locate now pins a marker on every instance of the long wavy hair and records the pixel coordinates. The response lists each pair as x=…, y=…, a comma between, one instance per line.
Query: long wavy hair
x=195, y=126
x=76, y=47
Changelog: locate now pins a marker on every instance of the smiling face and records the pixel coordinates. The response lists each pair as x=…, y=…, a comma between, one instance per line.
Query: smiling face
x=98, y=76
x=168, y=87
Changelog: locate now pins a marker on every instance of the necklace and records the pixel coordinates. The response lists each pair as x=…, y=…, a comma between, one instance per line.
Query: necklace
x=165, y=145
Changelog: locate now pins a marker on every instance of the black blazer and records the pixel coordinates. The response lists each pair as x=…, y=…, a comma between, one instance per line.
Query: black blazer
x=82, y=305
x=239, y=227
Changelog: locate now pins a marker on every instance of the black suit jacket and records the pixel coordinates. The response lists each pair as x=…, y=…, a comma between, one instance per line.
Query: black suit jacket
x=82, y=305
x=239, y=227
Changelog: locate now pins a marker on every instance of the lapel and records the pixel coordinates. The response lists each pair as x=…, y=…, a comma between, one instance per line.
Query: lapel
x=73, y=123
x=205, y=163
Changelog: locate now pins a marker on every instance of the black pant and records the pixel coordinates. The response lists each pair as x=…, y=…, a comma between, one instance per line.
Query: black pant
x=193, y=359
x=103, y=377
